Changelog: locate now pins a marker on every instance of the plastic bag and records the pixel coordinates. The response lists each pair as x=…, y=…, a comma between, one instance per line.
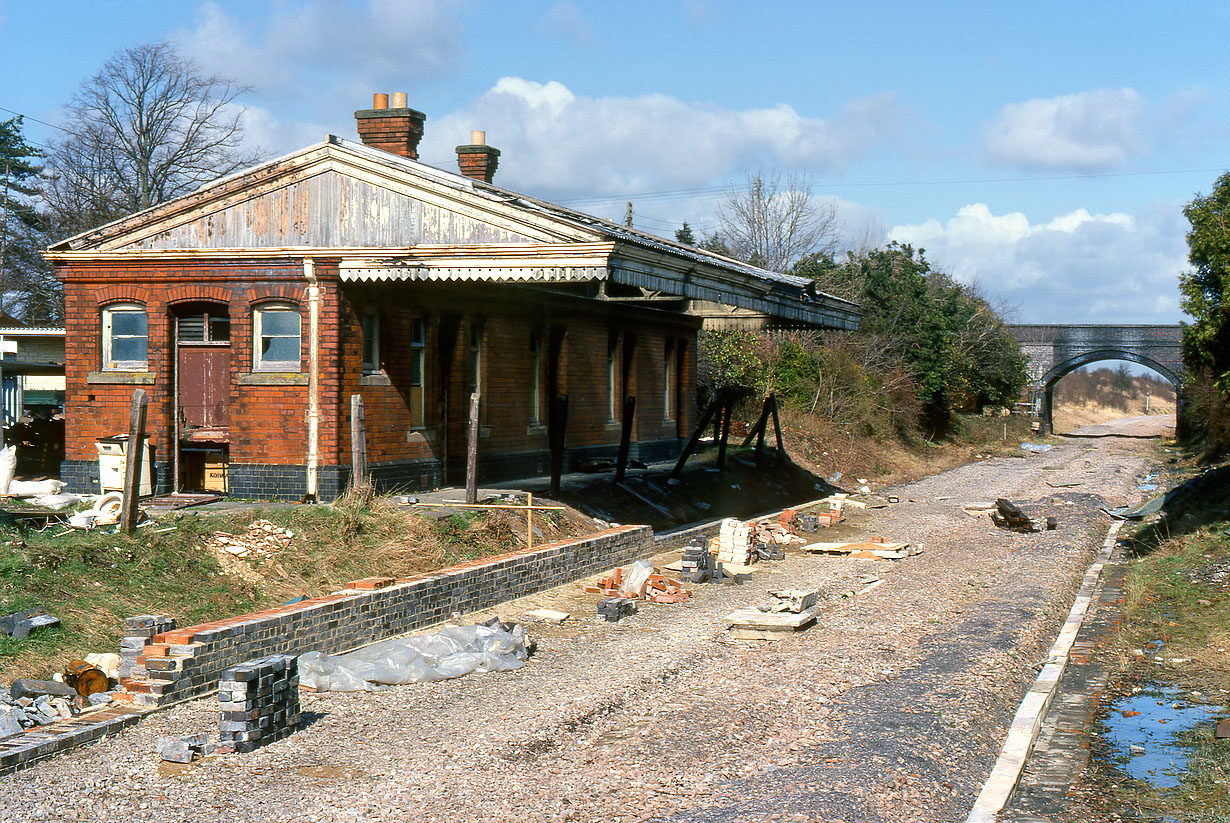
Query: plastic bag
x=634, y=580
x=453, y=652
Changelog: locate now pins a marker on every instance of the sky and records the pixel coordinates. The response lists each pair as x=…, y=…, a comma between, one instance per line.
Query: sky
x=1043, y=151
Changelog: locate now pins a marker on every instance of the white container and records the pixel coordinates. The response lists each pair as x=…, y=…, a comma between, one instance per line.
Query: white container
x=112, y=456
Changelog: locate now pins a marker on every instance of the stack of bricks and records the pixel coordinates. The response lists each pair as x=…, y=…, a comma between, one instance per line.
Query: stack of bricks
x=613, y=608
x=259, y=700
x=138, y=632
x=734, y=542
x=697, y=565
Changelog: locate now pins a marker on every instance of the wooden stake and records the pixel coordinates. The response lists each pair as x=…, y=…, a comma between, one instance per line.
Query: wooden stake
x=134, y=460
x=472, y=452
x=529, y=520
x=777, y=425
x=358, y=443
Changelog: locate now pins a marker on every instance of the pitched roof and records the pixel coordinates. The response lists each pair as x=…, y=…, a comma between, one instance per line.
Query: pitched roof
x=389, y=217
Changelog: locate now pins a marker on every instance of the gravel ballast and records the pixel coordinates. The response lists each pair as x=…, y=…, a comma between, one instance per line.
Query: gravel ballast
x=892, y=707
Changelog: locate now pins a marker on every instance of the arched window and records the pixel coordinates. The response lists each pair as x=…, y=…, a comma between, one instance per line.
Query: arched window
x=125, y=337
x=275, y=337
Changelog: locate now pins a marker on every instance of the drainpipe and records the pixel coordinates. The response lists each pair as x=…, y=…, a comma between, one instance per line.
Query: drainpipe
x=313, y=452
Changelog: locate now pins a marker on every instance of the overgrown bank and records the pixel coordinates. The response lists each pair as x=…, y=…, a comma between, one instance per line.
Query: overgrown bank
x=1173, y=674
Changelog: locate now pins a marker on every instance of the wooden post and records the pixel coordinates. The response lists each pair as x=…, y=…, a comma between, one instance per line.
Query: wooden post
x=714, y=405
x=777, y=425
x=134, y=458
x=727, y=410
x=625, y=438
x=472, y=452
x=529, y=520
x=358, y=443
x=557, y=427
x=758, y=430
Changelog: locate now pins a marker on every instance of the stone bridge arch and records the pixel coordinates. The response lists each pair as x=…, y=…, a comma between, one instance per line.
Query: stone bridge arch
x=1056, y=350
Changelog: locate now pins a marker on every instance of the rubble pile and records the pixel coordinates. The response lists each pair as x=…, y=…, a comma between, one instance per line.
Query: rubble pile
x=260, y=539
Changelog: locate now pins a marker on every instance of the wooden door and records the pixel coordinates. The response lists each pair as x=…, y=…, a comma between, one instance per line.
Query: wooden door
x=204, y=387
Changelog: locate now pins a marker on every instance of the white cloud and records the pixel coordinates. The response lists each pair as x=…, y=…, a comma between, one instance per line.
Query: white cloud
x=565, y=20
x=1075, y=267
x=555, y=142
x=1090, y=131
x=331, y=55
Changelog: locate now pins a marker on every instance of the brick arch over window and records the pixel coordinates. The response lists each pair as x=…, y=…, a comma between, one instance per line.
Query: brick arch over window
x=196, y=293
x=275, y=291
x=125, y=293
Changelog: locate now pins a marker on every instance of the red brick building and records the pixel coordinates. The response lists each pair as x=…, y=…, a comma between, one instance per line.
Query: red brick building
x=253, y=309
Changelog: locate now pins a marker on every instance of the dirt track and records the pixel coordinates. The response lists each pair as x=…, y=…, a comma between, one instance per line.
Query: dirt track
x=892, y=708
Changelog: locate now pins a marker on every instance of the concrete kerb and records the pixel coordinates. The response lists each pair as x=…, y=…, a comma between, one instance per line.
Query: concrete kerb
x=999, y=787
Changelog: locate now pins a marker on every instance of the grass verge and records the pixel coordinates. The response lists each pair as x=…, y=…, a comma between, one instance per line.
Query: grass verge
x=1175, y=634
x=93, y=580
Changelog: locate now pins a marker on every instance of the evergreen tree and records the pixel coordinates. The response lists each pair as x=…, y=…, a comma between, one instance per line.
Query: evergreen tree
x=685, y=236
x=28, y=288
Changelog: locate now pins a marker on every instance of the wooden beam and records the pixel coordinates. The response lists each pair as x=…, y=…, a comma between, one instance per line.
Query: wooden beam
x=134, y=458
x=358, y=444
x=472, y=452
x=701, y=425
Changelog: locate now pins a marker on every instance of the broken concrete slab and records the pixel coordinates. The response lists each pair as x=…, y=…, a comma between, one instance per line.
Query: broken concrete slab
x=753, y=624
x=793, y=600
x=547, y=616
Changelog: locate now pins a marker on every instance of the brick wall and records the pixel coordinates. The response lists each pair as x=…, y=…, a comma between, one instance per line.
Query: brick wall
x=187, y=662
x=268, y=437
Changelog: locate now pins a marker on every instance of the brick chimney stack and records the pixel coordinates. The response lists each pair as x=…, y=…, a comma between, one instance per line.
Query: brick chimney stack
x=393, y=128
x=478, y=160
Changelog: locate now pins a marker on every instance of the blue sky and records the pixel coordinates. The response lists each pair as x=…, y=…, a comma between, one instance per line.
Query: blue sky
x=1044, y=150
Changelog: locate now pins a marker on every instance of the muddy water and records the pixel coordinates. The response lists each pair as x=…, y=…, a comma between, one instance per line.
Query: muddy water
x=1142, y=732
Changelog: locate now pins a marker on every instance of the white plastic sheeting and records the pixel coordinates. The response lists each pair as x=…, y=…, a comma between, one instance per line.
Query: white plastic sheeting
x=453, y=652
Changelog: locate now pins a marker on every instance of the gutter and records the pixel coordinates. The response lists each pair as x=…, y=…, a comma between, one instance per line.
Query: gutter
x=313, y=445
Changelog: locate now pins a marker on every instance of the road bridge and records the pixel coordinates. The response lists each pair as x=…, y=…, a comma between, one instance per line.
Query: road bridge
x=1056, y=350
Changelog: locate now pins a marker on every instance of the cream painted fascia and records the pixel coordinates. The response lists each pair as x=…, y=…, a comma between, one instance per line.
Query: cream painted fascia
x=439, y=254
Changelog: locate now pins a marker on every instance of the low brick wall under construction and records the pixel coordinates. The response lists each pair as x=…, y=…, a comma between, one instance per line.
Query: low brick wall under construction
x=185, y=662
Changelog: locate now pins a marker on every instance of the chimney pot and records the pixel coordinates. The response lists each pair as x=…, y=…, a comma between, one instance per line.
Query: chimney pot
x=478, y=160
x=396, y=129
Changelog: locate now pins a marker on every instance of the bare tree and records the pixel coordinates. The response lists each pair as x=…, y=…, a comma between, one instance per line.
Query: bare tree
x=147, y=128
x=773, y=221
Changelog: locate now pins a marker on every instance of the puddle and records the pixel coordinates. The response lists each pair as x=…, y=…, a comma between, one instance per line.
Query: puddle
x=1150, y=720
